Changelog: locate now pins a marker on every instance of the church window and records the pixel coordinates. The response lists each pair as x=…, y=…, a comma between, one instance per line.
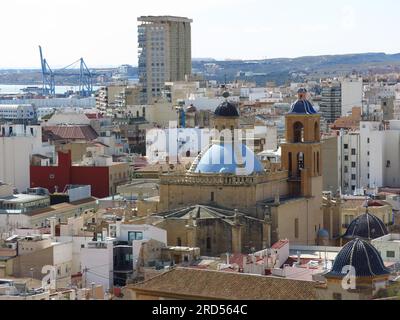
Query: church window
x=390, y=254
x=208, y=243
x=298, y=132
x=296, y=228
x=315, y=162
x=290, y=164
x=316, y=132
x=300, y=162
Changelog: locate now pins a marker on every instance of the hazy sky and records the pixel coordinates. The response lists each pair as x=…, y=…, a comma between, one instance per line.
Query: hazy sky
x=104, y=31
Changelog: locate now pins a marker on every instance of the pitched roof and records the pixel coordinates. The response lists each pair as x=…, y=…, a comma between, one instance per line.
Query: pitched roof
x=226, y=285
x=202, y=212
x=78, y=132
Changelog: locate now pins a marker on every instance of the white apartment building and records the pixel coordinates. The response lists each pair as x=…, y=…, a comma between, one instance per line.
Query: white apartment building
x=17, y=144
x=352, y=94
x=370, y=157
x=97, y=264
x=349, y=161
x=17, y=112
x=380, y=158
x=389, y=247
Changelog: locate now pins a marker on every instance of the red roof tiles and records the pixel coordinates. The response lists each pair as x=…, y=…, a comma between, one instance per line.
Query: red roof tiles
x=84, y=132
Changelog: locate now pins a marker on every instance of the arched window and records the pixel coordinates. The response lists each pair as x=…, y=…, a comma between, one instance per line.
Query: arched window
x=290, y=164
x=317, y=134
x=188, y=153
x=208, y=243
x=137, y=114
x=298, y=132
x=315, y=162
x=300, y=162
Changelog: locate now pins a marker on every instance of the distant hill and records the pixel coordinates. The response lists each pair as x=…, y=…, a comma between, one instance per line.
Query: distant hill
x=280, y=70
x=284, y=69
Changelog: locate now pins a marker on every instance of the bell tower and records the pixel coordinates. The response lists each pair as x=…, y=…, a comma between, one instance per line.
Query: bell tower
x=301, y=153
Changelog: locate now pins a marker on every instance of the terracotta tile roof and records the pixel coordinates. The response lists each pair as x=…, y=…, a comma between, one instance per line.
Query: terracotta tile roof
x=197, y=283
x=69, y=133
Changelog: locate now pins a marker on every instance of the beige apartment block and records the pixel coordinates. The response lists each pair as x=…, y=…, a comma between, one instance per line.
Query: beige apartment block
x=164, y=53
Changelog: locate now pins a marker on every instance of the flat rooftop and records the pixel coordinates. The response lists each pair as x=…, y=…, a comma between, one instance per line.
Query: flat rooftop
x=163, y=19
x=22, y=198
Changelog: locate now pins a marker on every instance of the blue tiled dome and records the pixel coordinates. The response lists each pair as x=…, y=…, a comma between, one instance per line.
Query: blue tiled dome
x=221, y=158
x=361, y=255
x=323, y=233
x=302, y=107
x=366, y=226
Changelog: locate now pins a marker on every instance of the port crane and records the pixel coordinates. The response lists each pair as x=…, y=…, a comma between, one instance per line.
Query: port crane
x=48, y=76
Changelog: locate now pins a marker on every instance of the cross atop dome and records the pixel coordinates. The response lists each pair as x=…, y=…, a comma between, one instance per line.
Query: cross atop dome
x=302, y=94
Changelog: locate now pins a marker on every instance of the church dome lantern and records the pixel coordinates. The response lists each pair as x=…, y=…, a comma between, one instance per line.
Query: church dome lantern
x=302, y=106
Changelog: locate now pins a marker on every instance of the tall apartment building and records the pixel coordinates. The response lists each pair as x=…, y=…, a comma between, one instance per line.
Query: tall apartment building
x=352, y=94
x=165, y=55
x=349, y=152
x=368, y=157
x=331, y=101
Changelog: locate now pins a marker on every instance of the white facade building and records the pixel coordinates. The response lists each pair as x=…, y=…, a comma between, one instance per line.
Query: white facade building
x=369, y=158
x=17, y=144
x=17, y=112
x=97, y=264
x=41, y=112
x=352, y=94
x=389, y=247
x=380, y=154
x=132, y=232
x=349, y=162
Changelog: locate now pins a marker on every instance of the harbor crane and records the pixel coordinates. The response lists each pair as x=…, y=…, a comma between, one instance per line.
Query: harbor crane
x=48, y=76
